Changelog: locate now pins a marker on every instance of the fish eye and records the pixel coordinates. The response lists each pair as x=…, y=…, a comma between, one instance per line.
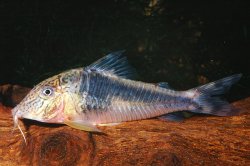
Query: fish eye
x=47, y=91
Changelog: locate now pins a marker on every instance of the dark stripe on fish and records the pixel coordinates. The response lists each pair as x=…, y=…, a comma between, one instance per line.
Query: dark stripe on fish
x=102, y=90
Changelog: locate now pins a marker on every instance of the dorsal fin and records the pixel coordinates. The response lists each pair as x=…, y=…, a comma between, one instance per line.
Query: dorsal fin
x=114, y=63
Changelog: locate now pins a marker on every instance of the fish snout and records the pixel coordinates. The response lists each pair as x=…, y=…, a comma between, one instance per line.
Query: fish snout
x=15, y=113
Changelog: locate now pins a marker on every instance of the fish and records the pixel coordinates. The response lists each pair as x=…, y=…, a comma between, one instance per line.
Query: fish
x=106, y=93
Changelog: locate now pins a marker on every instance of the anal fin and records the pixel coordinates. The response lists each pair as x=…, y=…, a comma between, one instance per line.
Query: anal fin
x=176, y=116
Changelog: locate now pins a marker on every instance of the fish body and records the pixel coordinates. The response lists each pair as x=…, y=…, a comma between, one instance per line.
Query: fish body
x=104, y=93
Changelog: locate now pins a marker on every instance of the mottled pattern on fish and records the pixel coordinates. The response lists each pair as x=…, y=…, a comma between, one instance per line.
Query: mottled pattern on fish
x=104, y=93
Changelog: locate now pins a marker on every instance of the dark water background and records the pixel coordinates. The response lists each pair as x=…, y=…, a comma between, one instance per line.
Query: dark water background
x=185, y=43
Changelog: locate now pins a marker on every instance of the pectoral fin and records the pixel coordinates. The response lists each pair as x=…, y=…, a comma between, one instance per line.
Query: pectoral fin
x=82, y=126
x=108, y=124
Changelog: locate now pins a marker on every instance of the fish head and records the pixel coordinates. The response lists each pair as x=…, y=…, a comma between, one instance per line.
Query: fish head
x=46, y=101
x=43, y=103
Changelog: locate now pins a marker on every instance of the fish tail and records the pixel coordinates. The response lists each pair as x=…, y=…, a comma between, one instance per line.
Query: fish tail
x=207, y=97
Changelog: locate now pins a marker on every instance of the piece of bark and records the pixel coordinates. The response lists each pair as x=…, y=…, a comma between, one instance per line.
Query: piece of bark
x=202, y=140
x=11, y=95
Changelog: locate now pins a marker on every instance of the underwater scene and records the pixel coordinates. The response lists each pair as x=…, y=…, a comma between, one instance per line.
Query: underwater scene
x=121, y=82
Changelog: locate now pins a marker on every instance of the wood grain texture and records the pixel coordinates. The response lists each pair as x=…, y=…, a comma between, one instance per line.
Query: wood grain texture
x=201, y=140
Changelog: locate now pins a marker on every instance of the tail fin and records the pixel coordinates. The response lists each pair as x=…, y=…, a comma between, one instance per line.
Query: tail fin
x=207, y=97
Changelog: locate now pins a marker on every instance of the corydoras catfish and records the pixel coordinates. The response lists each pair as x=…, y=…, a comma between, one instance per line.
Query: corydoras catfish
x=104, y=93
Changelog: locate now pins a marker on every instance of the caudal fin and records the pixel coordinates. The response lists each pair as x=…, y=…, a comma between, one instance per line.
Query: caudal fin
x=207, y=97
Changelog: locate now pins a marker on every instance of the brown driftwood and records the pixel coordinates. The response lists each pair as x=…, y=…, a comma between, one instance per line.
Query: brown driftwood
x=203, y=140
